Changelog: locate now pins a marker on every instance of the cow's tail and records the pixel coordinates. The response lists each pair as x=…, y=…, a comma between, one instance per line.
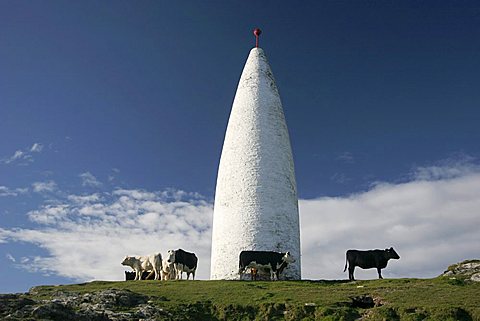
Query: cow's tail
x=345, y=268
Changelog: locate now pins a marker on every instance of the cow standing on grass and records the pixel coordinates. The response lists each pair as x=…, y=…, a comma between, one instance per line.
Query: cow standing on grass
x=275, y=262
x=183, y=261
x=368, y=259
x=145, y=263
x=168, y=269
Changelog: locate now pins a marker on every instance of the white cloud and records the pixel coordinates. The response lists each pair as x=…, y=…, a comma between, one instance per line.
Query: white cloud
x=346, y=157
x=88, y=180
x=42, y=187
x=36, y=148
x=83, y=199
x=6, y=191
x=10, y=257
x=431, y=224
x=113, y=176
x=87, y=236
x=23, y=157
x=340, y=178
x=49, y=214
x=17, y=155
x=455, y=166
x=135, y=194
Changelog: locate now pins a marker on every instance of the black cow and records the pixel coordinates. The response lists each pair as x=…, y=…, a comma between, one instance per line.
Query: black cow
x=146, y=275
x=183, y=262
x=368, y=259
x=275, y=262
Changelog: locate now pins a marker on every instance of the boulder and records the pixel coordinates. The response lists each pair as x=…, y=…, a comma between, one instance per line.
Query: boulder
x=468, y=270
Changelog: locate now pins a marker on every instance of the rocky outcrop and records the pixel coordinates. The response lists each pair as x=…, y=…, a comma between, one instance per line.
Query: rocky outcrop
x=108, y=305
x=468, y=270
x=15, y=306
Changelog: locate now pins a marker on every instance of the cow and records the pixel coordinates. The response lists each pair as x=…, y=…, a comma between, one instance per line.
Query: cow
x=368, y=259
x=146, y=275
x=183, y=262
x=168, y=270
x=275, y=262
x=253, y=273
x=144, y=263
x=257, y=271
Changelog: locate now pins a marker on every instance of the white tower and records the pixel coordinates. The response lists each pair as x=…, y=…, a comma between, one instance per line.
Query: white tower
x=256, y=204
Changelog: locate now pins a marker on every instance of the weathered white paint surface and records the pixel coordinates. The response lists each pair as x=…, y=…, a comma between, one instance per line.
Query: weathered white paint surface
x=256, y=205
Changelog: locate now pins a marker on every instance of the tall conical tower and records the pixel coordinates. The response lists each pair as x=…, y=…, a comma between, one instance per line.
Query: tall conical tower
x=256, y=204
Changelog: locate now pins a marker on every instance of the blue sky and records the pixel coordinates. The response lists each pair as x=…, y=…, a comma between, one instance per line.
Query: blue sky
x=113, y=113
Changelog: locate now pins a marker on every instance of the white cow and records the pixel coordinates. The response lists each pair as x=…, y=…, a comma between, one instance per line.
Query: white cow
x=145, y=263
x=168, y=270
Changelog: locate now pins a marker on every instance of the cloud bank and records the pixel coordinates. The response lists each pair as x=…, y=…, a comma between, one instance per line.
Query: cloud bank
x=431, y=224
x=87, y=236
x=432, y=221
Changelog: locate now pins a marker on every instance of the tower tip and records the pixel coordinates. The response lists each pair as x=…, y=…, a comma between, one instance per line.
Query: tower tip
x=257, y=33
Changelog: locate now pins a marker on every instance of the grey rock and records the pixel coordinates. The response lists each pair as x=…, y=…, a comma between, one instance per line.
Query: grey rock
x=54, y=311
x=15, y=306
x=108, y=305
x=111, y=298
x=475, y=277
x=469, y=270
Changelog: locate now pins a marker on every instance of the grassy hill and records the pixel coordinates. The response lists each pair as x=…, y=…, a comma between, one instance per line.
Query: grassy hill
x=442, y=298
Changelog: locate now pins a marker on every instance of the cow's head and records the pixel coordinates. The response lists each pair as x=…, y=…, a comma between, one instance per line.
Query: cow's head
x=127, y=260
x=391, y=254
x=170, y=256
x=288, y=258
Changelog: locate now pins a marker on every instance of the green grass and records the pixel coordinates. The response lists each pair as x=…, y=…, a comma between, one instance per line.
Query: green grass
x=402, y=299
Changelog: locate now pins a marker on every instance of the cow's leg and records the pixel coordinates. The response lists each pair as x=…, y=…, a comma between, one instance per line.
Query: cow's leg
x=193, y=275
x=150, y=274
x=350, y=272
x=379, y=273
x=138, y=275
x=240, y=272
x=188, y=275
x=178, y=271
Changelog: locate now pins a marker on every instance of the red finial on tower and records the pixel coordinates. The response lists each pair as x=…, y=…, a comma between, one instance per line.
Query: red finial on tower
x=257, y=33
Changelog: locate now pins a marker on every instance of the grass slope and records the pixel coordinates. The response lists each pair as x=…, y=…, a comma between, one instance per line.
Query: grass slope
x=400, y=299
